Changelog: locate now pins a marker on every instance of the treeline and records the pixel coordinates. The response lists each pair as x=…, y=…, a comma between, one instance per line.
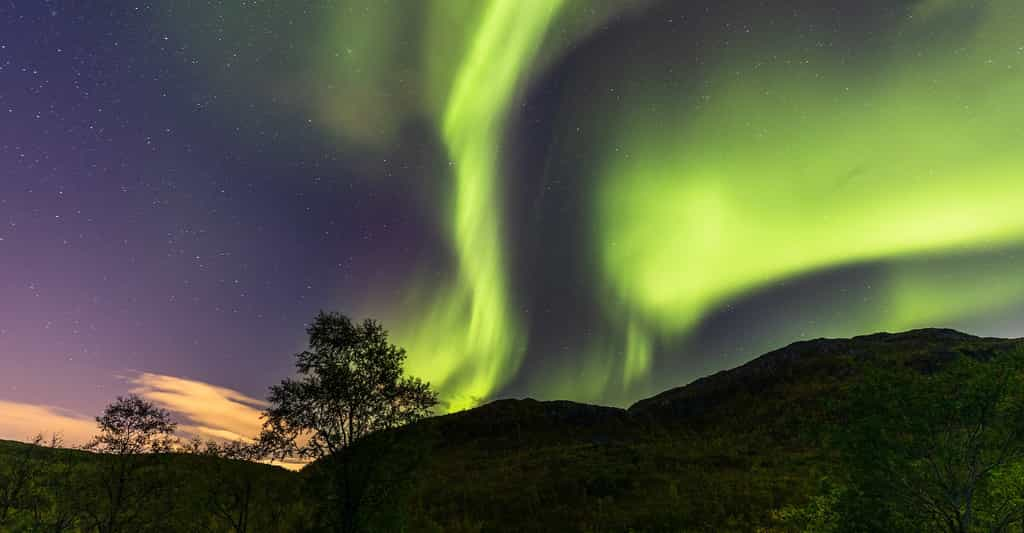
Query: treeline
x=45, y=488
x=199, y=487
x=137, y=476
x=192, y=486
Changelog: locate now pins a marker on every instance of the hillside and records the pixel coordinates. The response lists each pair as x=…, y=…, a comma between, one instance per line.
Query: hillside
x=719, y=454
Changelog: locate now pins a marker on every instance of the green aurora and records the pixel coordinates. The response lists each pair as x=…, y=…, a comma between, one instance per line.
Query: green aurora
x=792, y=163
x=712, y=172
x=473, y=337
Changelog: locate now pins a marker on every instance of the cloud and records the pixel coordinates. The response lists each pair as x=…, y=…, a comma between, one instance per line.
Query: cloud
x=206, y=411
x=22, y=421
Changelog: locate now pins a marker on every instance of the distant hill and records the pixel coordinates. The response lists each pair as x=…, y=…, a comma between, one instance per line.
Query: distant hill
x=719, y=454
x=825, y=363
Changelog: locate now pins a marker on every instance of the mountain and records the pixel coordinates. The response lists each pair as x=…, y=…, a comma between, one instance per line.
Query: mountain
x=719, y=454
x=809, y=370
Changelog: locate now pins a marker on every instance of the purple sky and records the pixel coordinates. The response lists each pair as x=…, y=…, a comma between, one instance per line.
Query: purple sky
x=134, y=236
x=175, y=205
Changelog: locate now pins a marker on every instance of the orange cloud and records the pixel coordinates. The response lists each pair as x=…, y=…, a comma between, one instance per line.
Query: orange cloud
x=206, y=411
x=22, y=421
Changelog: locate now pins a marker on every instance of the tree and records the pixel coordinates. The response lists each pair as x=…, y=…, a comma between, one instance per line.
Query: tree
x=130, y=430
x=133, y=426
x=936, y=451
x=350, y=384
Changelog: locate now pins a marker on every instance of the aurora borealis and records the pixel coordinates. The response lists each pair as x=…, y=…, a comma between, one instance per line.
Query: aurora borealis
x=589, y=200
x=480, y=339
x=791, y=164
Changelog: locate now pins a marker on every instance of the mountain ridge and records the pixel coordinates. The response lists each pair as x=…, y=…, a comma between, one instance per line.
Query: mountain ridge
x=769, y=364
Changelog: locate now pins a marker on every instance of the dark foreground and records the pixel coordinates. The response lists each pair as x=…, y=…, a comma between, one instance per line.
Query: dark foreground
x=919, y=431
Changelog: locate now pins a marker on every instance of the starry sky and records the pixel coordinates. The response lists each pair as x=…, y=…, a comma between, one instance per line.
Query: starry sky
x=583, y=199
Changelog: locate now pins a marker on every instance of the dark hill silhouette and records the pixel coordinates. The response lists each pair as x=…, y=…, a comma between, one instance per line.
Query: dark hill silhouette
x=823, y=361
x=717, y=454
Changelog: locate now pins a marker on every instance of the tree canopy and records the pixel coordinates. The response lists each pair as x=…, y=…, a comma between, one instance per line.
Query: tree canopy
x=132, y=426
x=350, y=383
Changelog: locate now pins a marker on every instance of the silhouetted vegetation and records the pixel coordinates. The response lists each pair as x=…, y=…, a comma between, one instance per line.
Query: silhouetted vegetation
x=234, y=496
x=132, y=432
x=351, y=384
x=140, y=477
x=910, y=432
x=939, y=450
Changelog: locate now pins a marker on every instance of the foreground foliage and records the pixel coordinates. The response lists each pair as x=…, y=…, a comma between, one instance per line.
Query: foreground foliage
x=936, y=449
x=65, y=492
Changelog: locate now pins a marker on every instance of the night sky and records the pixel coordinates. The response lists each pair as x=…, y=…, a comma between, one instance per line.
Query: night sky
x=580, y=199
